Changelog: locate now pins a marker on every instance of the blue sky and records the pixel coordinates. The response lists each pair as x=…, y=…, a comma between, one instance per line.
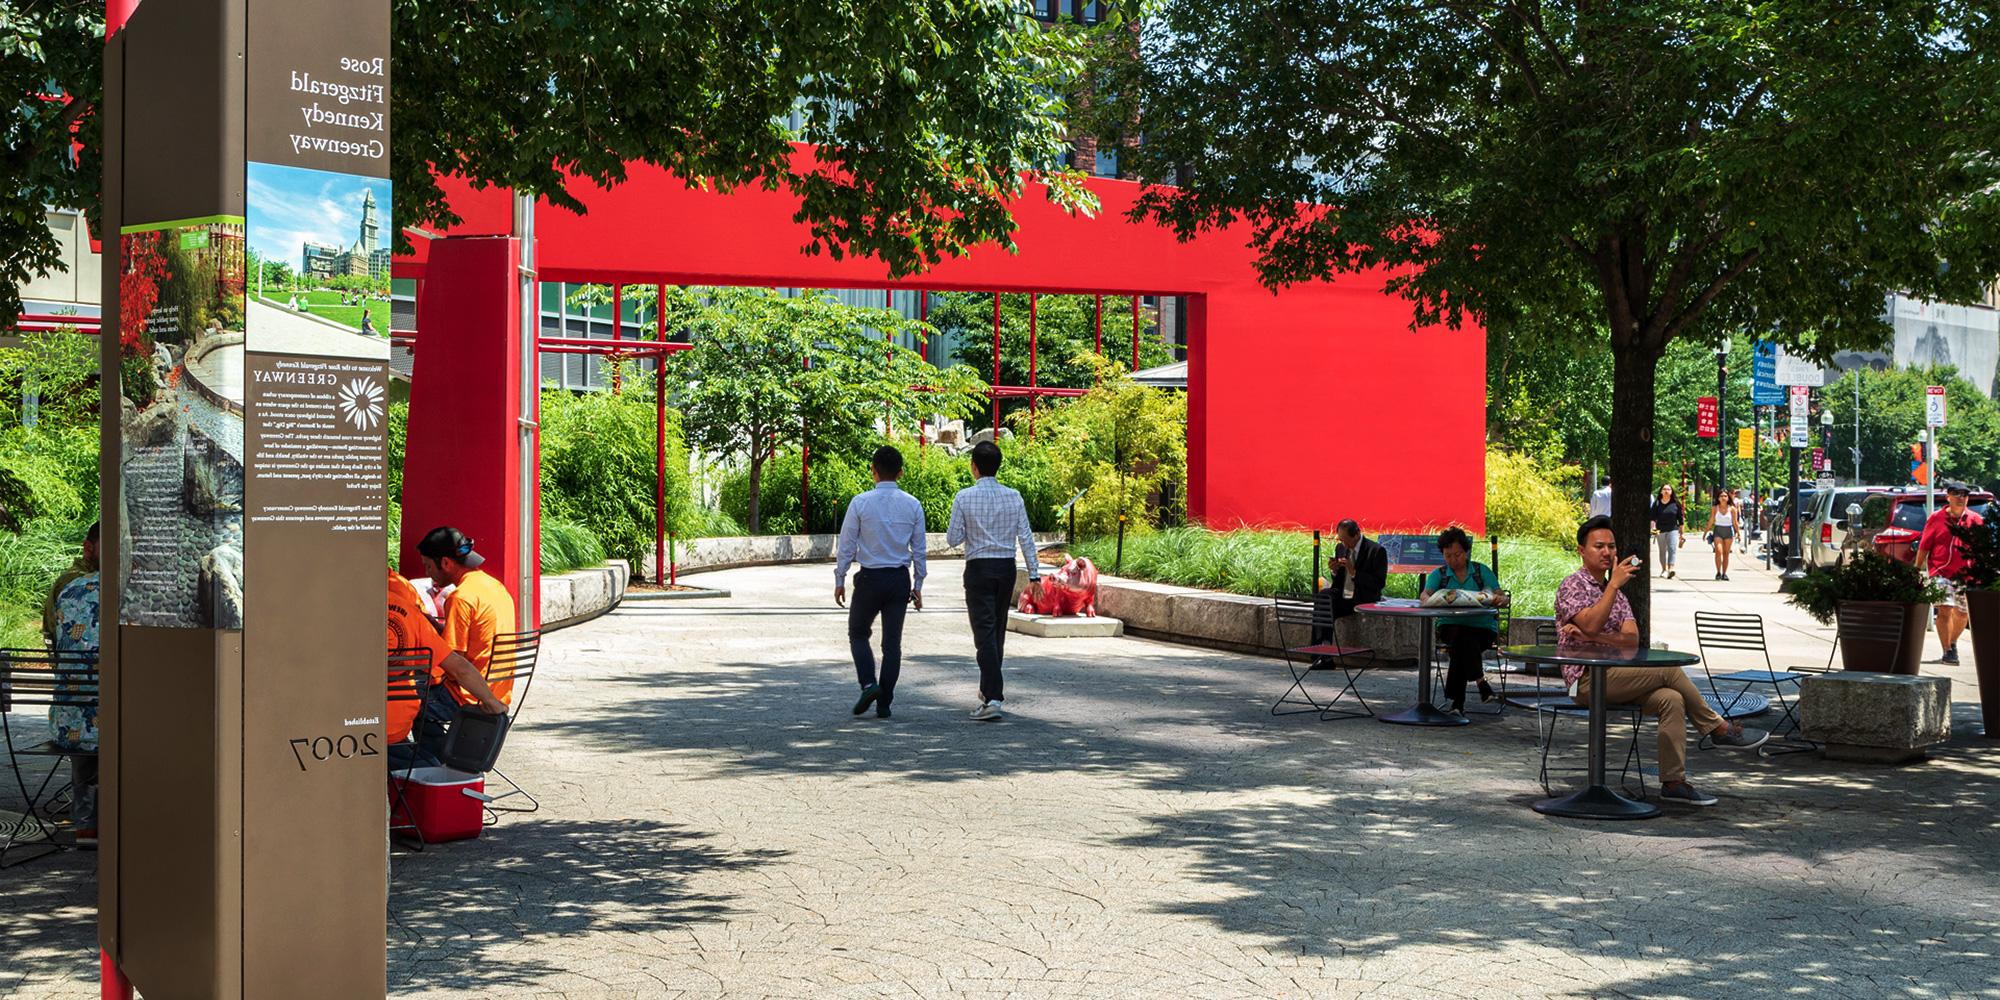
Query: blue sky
x=288, y=206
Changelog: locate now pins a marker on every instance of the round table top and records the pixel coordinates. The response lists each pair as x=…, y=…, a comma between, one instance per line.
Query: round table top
x=1591, y=654
x=1454, y=611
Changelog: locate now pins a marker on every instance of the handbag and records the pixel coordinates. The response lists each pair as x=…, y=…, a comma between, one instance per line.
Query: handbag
x=473, y=743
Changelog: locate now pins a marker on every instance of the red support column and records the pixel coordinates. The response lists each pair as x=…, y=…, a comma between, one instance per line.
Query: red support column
x=462, y=462
x=996, y=367
x=1032, y=399
x=617, y=333
x=659, y=467
x=923, y=353
x=112, y=984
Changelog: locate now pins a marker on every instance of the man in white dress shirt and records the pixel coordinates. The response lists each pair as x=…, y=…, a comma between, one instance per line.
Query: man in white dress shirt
x=884, y=532
x=990, y=520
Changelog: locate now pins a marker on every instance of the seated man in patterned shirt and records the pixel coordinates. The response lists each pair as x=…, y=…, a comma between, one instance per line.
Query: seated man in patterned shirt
x=1591, y=608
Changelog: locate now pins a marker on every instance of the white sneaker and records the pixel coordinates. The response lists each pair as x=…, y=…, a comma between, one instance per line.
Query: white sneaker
x=987, y=711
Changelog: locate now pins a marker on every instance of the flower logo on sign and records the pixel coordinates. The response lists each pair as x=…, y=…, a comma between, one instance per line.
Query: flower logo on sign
x=361, y=403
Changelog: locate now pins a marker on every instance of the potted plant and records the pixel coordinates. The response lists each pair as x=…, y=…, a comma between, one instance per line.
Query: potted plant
x=1878, y=607
x=1980, y=545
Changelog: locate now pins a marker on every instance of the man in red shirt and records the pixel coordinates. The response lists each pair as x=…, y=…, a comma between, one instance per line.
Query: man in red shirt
x=1943, y=556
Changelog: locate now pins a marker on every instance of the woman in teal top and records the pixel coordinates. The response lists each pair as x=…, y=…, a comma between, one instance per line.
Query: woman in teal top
x=1465, y=639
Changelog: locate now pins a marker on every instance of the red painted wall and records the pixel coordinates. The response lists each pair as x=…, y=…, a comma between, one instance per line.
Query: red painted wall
x=1307, y=405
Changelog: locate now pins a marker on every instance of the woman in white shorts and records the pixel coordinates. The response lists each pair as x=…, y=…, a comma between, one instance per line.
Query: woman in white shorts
x=1722, y=525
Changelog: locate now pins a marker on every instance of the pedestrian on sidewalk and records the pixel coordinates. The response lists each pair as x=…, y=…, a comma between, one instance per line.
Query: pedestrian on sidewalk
x=884, y=532
x=990, y=520
x=1668, y=515
x=1722, y=529
x=1942, y=555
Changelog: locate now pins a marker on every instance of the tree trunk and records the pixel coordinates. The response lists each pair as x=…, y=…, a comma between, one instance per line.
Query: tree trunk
x=1631, y=467
x=756, y=491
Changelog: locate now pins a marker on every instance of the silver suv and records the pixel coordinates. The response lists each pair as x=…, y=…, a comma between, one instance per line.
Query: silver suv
x=1826, y=523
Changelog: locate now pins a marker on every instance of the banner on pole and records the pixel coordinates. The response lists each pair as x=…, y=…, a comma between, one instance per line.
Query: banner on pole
x=1705, y=417
x=1801, y=433
x=1746, y=442
x=1764, y=387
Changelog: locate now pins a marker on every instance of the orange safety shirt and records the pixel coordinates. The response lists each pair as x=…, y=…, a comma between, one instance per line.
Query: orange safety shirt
x=478, y=611
x=409, y=630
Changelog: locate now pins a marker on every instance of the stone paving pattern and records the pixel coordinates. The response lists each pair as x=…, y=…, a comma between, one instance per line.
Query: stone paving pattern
x=715, y=824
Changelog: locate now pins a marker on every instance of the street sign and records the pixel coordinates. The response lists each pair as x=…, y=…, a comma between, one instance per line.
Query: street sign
x=1801, y=432
x=1934, y=406
x=1795, y=371
x=1746, y=442
x=1764, y=387
x=1705, y=417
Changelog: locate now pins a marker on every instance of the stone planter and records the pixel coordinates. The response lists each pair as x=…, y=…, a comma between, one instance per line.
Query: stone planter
x=1983, y=608
x=1881, y=636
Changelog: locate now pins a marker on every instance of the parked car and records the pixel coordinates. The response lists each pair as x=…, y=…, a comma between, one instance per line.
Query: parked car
x=1890, y=523
x=1826, y=525
x=1778, y=521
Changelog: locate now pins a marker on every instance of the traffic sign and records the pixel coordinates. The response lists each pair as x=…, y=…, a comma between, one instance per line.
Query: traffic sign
x=1934, y=406
x=1705, y=417
x=1794, y=370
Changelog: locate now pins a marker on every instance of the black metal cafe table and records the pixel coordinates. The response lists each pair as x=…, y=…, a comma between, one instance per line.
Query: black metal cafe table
x=1423, y=713
x=1599, y=801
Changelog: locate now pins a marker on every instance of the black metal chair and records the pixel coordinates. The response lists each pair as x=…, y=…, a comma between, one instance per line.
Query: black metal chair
x=40, y=678
x=513, y=661
x=409, y=680
x=1300, y=619
x=1554, y=712
x=1744, y=633
x=1495, y=662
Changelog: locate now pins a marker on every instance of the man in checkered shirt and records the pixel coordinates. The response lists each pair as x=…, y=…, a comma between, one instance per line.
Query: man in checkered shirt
x=991, y=521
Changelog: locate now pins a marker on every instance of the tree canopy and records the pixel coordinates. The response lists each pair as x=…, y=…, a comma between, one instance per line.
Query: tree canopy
x=1638, y=171
x=924, y=113
x=51, y=62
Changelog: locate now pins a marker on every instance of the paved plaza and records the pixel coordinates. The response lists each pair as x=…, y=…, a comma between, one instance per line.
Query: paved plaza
x=715, y=824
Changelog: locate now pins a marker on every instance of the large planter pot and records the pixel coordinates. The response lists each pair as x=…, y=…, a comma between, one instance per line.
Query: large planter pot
x=1983, y=608
x=1882, y=636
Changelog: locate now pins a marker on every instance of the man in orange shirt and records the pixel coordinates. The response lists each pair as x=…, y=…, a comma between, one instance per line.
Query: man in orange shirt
x=407, y=630
x=478, y=611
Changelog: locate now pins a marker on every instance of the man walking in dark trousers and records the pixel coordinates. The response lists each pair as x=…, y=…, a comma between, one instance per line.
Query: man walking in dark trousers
x=990, y=521
x=884, y=532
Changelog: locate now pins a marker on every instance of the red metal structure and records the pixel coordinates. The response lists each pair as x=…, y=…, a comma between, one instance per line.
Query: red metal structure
x=1306, y=404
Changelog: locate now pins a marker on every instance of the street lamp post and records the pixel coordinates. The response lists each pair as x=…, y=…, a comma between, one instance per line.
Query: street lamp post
x=1721, y=411
x=1795, y=566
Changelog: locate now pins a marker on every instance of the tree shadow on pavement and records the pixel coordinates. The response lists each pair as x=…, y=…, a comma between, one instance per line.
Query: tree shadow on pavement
x=484, y=915
x=48, y=921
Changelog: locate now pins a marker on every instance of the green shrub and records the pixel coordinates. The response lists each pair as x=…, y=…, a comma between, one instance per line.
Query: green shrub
x=567, y=546
x=396, y=427
x=834, y=480
x=1125, y=446
x=1028, y=467
x=598, y=469
x=1869, y=577
x=1526, y=501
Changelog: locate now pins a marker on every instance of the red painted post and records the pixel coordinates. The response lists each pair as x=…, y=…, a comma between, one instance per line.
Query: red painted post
x=1135, y=333
x=659, y=465
x=617, y=332
x=996, y=368
x=923, y=353
x=1032, y=399
x=112, y=984
x=888, y=358
x=1097, y=329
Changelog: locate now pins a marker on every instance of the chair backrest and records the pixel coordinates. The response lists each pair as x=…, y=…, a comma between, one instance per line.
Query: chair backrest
x=1729, y=630
x=514, y=656
x=51, y=678
x=409, y=673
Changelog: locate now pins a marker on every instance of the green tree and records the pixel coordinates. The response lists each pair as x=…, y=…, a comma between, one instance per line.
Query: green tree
x=598, y=468
x=1656, y=169
x=51, y=63
x=767, y=372
x=1892, y=419
x=1125, y=446
x=924, y=115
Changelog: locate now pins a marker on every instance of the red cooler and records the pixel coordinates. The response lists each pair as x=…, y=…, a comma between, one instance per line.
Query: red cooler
x=435, y=803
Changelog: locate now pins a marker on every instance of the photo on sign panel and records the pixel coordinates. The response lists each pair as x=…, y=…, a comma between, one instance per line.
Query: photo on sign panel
x=319, y=248
x=180, y=339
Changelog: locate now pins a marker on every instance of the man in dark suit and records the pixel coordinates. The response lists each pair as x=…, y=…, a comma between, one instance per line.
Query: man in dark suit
x=1360, y=569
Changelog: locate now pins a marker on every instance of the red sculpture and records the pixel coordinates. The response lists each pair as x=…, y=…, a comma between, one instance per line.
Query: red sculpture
x=1071, y=590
